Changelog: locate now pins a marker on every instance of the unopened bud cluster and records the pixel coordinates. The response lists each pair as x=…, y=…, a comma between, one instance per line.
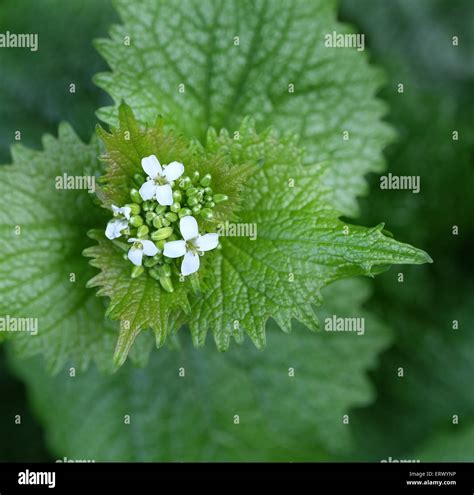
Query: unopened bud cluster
x=150, y=225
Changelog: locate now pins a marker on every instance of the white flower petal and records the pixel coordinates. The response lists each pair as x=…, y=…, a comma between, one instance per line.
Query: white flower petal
x=126, y=210
x=207, y=242
x=173, y=171
x=115, y=227
x=190, y=263
x=149, y=248
x=121, y=224
x=135, y=255
x=111, y=230
x=151, y=166
x=188, y=227
x=174, y=249
x=164, y=195
x=148, y=190
x=115, y=209
x=132, y=239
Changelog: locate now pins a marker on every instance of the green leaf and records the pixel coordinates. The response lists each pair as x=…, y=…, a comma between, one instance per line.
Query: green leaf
x=42, y=235
x=192, y=417
x=129, y=143
x=139, y=304
x=453, y=445
x=211, y=63
x=428, y=397
x=301, y=246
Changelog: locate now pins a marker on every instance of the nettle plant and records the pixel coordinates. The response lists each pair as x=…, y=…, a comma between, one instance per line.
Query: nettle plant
x=223, y=125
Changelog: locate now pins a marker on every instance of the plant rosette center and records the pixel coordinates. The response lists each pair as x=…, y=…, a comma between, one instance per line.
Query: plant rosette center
x=165, y=222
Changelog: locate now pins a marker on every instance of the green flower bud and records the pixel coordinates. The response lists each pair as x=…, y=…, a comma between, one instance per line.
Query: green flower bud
x=175, y=207
x=137, y=271
x=185, y=182
x=142, y=231
x=150, y=262
x=193, y=201
x=165, y=271
x=177, y=196
x=136, y=221
x=208, y=191
x=207, y=198
x=139, y=179
x=211, y=204
x=157, y=223
x=220, y=198
x=196, y=209
x=125, y=256
x=207, y=214
x=160, y=209
x=184, y=212
x=150, y=216
x=172, y=217
x=165, y=222
x=148, y=205
x=167, y=284
x=163, y=233
x=134, y=208
x=192, y=191
x=154, y=273
x=195, y=177
x=135, y=196
x=206, y=180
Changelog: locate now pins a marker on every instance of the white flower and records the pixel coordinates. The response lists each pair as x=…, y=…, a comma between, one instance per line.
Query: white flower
x=116, y=225
x=159, y=179
x=140, y=247
x=125, y=211
x=192, y=245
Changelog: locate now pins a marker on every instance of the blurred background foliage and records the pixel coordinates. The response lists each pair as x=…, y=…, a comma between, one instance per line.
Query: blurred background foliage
x=34, y=98
x=412, y=41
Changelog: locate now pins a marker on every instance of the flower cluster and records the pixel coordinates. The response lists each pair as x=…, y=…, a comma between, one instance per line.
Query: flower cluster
x=160, y=222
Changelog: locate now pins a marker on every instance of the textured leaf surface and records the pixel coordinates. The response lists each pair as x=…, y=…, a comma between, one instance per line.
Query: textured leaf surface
x=192, y=418
x=211, y=63
x=42, y=235
x=300, y=245
x=139, y=304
